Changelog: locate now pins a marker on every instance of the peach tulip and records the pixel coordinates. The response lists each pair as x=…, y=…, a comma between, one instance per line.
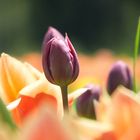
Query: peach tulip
x=23, y=88
x=46, y=126
x=15, y=75
x=118, y=118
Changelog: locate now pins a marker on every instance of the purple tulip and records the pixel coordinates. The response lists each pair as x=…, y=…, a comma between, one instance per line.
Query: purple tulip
x=119, y=75
x=52, y=32
x=85, y=102
x=60, y=61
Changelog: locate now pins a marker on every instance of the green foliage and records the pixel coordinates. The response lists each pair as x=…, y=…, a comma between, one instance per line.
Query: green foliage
x=136, y=51
x=5, y=116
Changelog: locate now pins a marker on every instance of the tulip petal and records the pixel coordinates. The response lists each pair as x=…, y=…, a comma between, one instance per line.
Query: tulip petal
x=122, y=112
x=60, y=63
x=125, y=114
x=51, y=33
x=45, y=61
x=45, y=126
x=75, y=59
x=37, y=74
x=92, y=129
x=43, y=86
x=12, y=71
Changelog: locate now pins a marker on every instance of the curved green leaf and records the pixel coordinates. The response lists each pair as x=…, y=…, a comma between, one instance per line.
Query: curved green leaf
x=136, y=51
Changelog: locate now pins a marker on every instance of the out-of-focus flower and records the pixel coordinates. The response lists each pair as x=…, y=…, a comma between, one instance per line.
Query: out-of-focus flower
x=46, y=126
x=35, y=94
x=122, y=113
x=23, y=88
x=85, y=102
x=119, y=75
x=118, y=118
x=14, y=76
x=60, y=61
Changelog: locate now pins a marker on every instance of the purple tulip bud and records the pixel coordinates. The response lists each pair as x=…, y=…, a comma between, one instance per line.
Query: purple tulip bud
x=52, y=32
x=119, y=75
x=60, y=61
x=85, y=102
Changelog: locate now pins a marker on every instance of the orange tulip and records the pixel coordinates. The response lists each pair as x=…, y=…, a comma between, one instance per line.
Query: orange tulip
x=46, y=126
x=118, y=118
x=23, y=88
x=122, y=113
x=14, y=76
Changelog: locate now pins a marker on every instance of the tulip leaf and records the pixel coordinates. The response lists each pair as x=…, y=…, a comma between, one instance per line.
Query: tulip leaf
x=136, y=50
x=5, y=116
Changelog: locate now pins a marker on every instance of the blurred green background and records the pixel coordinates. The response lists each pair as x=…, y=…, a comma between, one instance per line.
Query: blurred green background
x=91, y=24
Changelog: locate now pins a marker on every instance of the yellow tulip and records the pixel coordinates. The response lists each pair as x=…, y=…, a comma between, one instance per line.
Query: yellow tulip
x=14, y=75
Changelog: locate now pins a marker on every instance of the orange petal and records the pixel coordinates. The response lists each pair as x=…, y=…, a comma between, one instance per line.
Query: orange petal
x=124, y=110
x=14, y=76
x=91, y=129
x=42, y=85
x=45, y=126
x=33, y=95
x=28, y=104
x=107, y=136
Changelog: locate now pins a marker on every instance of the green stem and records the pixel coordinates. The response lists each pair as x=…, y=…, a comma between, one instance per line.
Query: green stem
x=65, y=97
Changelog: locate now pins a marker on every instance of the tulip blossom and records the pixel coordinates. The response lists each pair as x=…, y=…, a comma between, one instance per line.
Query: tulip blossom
x=23, y=90
x=118, y=118
x=85, y=102
x=59, y=60
x=119, y=75
x=122, y=113
x=46, y=126
x=34, y=95
x=14, y=76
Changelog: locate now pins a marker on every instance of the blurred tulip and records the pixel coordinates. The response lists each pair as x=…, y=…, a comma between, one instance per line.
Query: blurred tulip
x=14, y=75
x=122, y=112
x=46, y=126
x=60, y=61
x=34, y=95
x=23, y=88
x=119, y=75
x=51, y=33
x=85, y=102
x=118, y=118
